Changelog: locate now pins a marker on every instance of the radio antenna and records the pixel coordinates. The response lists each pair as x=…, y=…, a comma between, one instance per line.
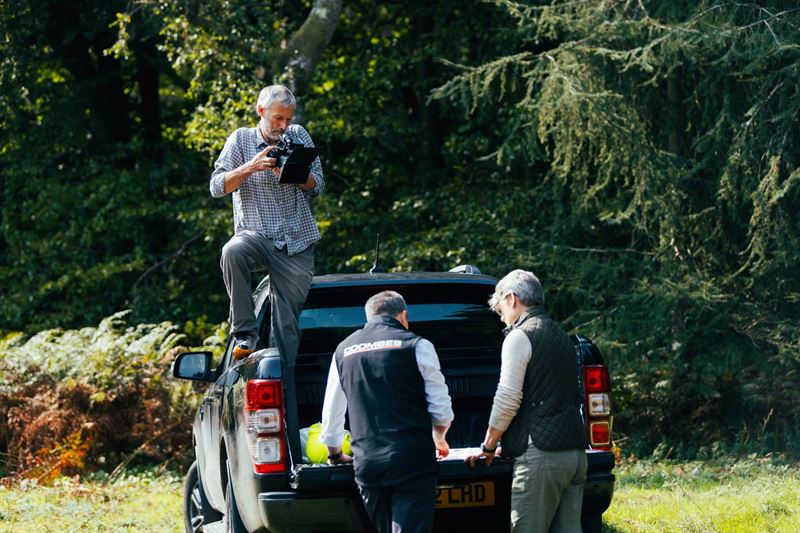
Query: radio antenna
x=375, y=267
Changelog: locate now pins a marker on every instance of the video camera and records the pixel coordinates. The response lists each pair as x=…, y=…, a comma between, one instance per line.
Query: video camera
x=283, y=149
x=293, y=159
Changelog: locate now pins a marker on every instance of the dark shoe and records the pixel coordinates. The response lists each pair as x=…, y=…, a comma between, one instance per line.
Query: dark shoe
x=245, y=344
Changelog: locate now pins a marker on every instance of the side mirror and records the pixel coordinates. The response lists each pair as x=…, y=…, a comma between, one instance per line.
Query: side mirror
x=193, y=365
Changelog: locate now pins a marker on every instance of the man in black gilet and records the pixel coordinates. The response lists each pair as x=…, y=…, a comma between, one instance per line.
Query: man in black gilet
x=389, y=381
x=536, y=412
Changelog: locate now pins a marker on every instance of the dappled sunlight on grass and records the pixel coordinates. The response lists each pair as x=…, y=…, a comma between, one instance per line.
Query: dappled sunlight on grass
x=722, y=495
x=140, y=502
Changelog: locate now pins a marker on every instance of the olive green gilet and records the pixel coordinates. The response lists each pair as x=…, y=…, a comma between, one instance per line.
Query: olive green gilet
x=549, y=412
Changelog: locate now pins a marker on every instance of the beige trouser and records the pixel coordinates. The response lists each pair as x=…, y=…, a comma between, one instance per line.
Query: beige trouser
x=289, y=281
x=547, y=491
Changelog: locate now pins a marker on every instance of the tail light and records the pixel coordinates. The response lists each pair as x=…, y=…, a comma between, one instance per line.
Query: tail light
x=600, y=434
x=596, y=378
x=263, y=414
x=597, y=402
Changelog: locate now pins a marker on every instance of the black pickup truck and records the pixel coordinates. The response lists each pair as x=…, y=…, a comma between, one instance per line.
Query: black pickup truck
x=250, y=474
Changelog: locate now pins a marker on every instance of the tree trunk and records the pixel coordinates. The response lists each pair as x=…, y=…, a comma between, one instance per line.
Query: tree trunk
x=295, y=65
x=676, y=144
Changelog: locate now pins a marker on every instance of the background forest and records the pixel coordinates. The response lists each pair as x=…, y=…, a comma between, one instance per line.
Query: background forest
x=640, y=156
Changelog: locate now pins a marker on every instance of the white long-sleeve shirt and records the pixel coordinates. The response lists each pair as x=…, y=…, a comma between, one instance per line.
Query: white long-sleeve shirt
x=515, y=356
x=436, y=394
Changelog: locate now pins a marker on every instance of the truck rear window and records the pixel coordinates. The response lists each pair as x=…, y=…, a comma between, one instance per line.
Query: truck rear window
x=452, y=316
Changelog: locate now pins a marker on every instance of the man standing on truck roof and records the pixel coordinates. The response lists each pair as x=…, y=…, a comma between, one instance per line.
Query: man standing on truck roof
x=273, y=225
x=535, y=411
x=390, y=381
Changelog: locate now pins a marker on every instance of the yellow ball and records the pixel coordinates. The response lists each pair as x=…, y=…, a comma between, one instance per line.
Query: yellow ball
x=316, y=451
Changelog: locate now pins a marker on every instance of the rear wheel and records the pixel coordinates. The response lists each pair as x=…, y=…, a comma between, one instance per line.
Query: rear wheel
x=232, y=520
x=592, y=524
x=196, y=510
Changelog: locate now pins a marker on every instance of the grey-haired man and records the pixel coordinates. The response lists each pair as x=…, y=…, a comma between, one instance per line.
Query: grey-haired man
x=274, y=228
x=535, y=411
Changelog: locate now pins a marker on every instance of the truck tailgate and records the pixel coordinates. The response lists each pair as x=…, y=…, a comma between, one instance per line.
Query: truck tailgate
x=473, y=498
x=467, y=498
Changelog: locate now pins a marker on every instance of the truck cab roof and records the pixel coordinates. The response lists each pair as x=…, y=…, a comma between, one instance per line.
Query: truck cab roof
x=382, y=281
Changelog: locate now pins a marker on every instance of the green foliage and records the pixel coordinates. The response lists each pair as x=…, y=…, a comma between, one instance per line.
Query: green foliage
x=394, y=154
x=109, y=355
x=93, y=222
x=64, y=394
x=668, y=133
x=641, y=157
x=221, y=49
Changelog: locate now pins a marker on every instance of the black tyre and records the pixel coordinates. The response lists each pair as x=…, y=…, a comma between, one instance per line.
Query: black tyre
x=592, y=524
x=196, y=510
x=232, y=520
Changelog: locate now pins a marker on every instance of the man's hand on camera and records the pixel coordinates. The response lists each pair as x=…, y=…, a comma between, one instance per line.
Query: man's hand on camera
x=261, y=162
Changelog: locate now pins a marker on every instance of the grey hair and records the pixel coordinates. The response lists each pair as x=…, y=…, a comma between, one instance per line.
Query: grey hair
x=385, y=303
x=524, y=284
x=276, y=94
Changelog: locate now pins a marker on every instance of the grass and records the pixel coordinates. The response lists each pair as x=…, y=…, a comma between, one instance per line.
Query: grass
x=137, y=502
x=712, y=496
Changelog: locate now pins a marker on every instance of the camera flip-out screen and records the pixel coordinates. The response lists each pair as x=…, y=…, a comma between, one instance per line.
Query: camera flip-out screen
x=298, y=164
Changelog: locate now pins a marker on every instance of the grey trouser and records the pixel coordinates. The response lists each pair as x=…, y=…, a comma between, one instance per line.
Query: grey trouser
x=408, y=506
x=289, y=280
x=547, y=490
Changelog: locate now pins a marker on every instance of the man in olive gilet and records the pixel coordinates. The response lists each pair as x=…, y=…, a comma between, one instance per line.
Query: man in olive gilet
x=536, y=411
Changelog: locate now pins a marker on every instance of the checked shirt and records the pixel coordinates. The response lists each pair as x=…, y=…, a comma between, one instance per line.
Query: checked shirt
x=281, y=212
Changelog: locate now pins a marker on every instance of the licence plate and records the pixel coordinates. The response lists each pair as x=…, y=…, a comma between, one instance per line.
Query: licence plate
x=469, y=495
